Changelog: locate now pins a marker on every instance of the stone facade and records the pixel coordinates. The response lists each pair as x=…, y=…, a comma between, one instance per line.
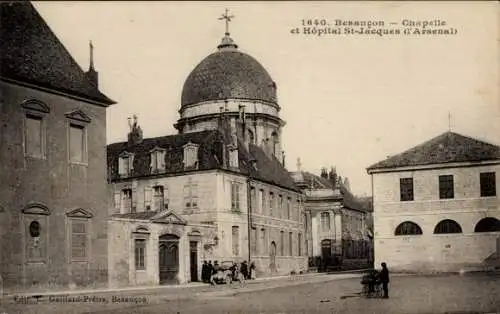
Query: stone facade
x=336, y=226
x=51, y=189
x=429, y=251
x=216, y=220
x=441, y=215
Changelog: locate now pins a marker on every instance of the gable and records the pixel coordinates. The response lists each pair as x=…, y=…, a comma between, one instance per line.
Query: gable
x=36, y=209
x=35, y=105
x=79, y=213
x=78, y=115
x=169, y=217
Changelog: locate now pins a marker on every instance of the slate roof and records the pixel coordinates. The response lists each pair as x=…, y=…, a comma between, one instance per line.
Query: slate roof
x=31, y=53
x=227, y=74
x=210, y=156
x=448, y=147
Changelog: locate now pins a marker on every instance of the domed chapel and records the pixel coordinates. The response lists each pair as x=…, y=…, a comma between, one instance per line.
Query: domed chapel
x=216, y=191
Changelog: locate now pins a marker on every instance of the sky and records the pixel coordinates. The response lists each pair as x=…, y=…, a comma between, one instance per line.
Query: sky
x=348, y=100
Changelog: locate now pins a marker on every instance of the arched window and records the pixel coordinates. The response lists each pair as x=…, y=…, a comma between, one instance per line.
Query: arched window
x=488, y=224
x=325, y=221
x=447, y=226
x=408, y=228
x=275, y=142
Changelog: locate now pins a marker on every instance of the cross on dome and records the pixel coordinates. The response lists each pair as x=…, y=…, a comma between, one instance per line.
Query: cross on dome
x=228, y=18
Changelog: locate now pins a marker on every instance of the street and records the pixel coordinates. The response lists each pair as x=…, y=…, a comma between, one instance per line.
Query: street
x=471, y=293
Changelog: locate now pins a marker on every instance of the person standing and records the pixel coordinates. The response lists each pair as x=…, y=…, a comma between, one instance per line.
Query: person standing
x=384, y=279
x=244, y=269
x=204, y=269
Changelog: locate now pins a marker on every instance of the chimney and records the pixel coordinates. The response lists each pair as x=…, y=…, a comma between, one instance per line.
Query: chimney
x=92, y=74
x=135, y=134
x=324, y=174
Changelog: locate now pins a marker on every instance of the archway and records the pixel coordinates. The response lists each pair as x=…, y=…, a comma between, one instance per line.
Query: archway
x=168, y=260
x=272, y=257
x=488, y=224
x=326, y=253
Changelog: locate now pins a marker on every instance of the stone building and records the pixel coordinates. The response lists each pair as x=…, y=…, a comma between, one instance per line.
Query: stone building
x=53, y=187
x=337, y=232
x=217, y=190
x=436, y=206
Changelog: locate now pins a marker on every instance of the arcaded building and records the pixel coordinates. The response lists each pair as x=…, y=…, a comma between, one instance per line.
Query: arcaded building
x=436, y=206
x=218, y=190
x=53, y=187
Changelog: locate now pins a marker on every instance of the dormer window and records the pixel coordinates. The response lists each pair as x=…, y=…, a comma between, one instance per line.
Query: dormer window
x=125, y=166
x=157, y=159
x=190, y=156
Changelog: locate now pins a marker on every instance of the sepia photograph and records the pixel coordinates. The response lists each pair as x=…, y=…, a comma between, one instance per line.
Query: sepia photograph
x=263, y=157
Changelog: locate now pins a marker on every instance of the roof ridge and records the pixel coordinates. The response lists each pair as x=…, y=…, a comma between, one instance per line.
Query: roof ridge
x=458, y=148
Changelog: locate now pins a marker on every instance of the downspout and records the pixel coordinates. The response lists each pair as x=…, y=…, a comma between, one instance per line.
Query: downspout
x=249, y=213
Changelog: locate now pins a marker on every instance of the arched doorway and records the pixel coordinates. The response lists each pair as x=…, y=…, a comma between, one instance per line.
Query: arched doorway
x=168, y=258
x=326, y=253
x=272, y=257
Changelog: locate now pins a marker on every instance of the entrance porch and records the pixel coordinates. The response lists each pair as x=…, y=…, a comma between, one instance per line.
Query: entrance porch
x=155, y=248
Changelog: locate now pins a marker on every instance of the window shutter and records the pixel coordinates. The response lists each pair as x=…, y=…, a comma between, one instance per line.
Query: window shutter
x=161, y=162
x=147, y=196
x=152, y=164
x=131, y=163
x=118, y=200
x=121, y=168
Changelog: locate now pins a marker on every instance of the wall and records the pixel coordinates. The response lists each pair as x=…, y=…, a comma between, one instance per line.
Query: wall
x=430, y=252
x=55, y=183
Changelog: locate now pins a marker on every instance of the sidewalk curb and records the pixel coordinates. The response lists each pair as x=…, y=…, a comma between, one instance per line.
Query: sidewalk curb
x=156, y=288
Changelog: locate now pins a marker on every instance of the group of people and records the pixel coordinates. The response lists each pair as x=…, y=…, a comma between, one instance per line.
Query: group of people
x=374, y=277
x=240, y=272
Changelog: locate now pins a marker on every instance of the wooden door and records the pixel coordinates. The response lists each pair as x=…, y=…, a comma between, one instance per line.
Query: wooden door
x=168, y=259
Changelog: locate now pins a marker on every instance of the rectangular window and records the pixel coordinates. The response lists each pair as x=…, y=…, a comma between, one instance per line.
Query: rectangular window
x=406, y=189
x=282, y=243
x=263, y=242
x=140, y=254
x=253, y=244
x=290, y=243
x=236, y=240
x=235, y=196
x=158, y=198
x=280, y=206
x=271, y=203
x=253, y=198
x=76, y=143
x=126, y=201
x=79, y=240
x=190, y=195
x=488, y=184
x=289, y=208
x=325, y=221
x=262, y=201
x=446, y=189
x=34, y=136
x=299, y=244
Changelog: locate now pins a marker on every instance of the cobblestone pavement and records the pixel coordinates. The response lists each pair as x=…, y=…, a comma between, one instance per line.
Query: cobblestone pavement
x=473, y=293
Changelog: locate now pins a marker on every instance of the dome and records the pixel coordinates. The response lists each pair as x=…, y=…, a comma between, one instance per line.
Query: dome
x=228, y=74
